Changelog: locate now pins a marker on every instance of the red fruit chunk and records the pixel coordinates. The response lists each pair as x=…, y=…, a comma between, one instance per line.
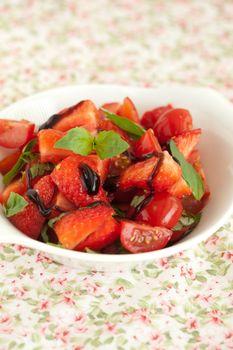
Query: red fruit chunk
x=18, y=186
x=14, y=134
x=106, y=235
x=47, y=139
x=147, y=144
x=67, y=177
x=163, y=210
x=128, y=110
x=112, y=107
x=187, y=141
x=138, y=174
x=150, y=117
x=63, y=203
x=75, y=227
x=46, y=189
x=177, y=235
x=194, y=206
x=180, y=189
x=140, y=238
x=169, y=172
x=83, y=114
x=29, y=220
x=172, y=123
x=8, y=162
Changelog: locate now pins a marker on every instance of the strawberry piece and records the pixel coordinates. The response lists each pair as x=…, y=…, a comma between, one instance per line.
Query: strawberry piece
x=67, y=177
x=8, y=162
x=108, y=125
x=14, y=133
x=46, y=189
x=150, y=117
x=102, y=166
x=128, y=110
x=106, y=235
x=18, y=186
x=47, y=139
x=112, y=107
x=187, y=141
x=180, y=189
x=138, y=174
x=63, y=203
x=83, y=114
x=29, y=220
x=148, y=143
x=168, y=173
x=75, y=227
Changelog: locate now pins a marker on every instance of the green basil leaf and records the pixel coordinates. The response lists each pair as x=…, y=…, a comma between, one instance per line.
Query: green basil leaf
x=125, y=124
x=44, y=234
x=90, y=251
x=119, y=213
x=15, y=204
x=52, y=221
x=78, y=140
x=39, y=169
x=137, y=200
x=26, y=156
x=187, y=220
x=109, y=144
x=189, y=174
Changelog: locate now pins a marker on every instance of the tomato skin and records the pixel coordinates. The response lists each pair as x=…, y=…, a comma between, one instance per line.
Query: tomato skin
x=8, y=162
x=148, y=143
x=150, y=117
x=14, y=133
x=140, y=238
x=163, y=210
x=172, y=123
x=194, y=206
x=18, y=186
x=128, y=110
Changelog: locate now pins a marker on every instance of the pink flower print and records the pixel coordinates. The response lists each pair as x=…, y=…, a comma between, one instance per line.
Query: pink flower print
x=19, y=292
x=110, y=327
x=164, y=263
x=44, y=305
x=62, y=334
x=168, y=307
x=79, y=318
x=213, y=240
x=21, y=249
x=191, y=324
x=187, y=272
x=229, y=335
x=215, y=316
x=68, y=299
x=5, y=322
x=78, y=348
x=156, y=337
x=142, y=315
x=42, y=258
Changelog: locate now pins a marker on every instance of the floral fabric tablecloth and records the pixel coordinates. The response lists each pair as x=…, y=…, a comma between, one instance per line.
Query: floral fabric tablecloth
x=184, y=302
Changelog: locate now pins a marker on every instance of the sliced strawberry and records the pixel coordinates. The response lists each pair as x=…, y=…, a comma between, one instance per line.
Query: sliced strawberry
x=102, y=166
x=150, y=117
x=14, y=133
x=106, y=235
x=187, y=141
x=46, y=189
x=112, y=107
x=128, y=110
x=18, y=186
x=138, y=174
x=180, y=189
x=108, y=125
x=29, y=220
x=47, y=139
x=83, y=114
x=63, y=203
x=148, y=143
x=69, y=180
x=75, y=227
x=8, y=162
x=169, y=172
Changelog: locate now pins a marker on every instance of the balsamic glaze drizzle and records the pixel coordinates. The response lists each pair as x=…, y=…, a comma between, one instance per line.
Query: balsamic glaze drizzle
x=90, y=179
x=50, y=122
x=155, y=171
x=28, y=178
x=110, y=184
x=35, y=198
x=141, y=205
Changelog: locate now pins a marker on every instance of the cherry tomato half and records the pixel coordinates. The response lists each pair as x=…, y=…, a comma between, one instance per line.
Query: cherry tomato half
x=172, y=123
x=150, y=117
x=147, y=144
x=163, y=210
x=14, y=134
x=140, y=238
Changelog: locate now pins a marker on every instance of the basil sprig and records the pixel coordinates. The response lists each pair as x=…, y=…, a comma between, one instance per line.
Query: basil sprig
x=189, y=174
x=125, y=124
x=26, y=156
x=14, y=205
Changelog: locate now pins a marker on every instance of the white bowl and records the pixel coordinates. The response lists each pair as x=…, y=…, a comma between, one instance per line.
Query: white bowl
x=211, y=111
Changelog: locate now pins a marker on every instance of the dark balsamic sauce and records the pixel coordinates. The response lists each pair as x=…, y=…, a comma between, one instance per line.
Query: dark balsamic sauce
x=155, y=171
x=90, y=179
x=141, y=206
x=50, y=122
x=35, y=198
x=28, y=178
x=110, y=184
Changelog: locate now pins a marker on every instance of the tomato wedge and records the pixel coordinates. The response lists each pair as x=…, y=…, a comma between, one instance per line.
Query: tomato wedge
x=150, y=117
x=140, y=238
x=8, y=162
x=14, y=133
x=147, y=144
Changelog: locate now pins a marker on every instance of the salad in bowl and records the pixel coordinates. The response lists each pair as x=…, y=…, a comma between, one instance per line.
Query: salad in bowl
x=104, y=179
